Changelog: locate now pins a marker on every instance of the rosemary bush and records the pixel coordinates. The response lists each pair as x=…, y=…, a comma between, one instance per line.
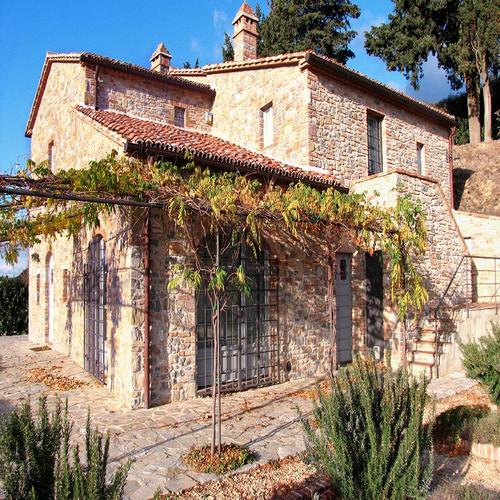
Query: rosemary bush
x=482, y=361
x=367, y=434
x=37, y=461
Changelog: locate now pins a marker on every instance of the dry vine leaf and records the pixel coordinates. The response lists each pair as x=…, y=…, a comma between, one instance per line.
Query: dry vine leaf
x=53, y=380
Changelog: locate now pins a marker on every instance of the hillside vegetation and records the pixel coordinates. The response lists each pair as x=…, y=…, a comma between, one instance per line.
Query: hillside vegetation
x=476, y=176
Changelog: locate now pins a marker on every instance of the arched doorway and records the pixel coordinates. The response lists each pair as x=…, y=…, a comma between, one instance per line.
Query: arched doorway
x=249, y=324
x=95, y=309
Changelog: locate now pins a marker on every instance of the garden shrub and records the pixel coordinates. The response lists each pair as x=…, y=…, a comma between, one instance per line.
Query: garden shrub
x=481, y=361
x=368, y=434
x=13, y=306
x=37, y=461
x=487, y=430
x=29, y=449
x=457, y=423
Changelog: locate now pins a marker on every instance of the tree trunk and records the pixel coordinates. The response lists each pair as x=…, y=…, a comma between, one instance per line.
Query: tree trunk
x=215, y=369
x=487, y=104
x=473, y=109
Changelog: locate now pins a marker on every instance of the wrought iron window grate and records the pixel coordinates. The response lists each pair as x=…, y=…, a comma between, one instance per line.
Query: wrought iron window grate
x=249, y=326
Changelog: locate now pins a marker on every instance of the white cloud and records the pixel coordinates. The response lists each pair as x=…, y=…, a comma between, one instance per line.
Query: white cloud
x=220, y=19
x=195, y=45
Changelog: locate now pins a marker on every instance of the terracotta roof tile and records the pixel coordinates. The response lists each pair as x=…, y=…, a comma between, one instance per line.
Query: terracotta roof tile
x=201, y=145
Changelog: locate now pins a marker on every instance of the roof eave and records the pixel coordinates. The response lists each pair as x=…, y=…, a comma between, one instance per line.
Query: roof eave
x=389, y=94
x=141, y=149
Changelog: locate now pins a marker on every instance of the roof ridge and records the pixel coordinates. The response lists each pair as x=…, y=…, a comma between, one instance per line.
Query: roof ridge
x=382, y=84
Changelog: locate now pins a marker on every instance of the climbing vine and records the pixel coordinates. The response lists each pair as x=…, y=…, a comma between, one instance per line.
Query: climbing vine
x=233, y=207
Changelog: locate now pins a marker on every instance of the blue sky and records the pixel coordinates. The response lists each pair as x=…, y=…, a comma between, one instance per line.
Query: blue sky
x=130, y=30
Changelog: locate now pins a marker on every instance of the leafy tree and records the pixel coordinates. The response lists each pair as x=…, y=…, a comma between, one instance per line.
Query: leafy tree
x=13, y=306
x=294, y=25
x=456, y=105
x=457, y=32
x=478, y=47
x=227, y=49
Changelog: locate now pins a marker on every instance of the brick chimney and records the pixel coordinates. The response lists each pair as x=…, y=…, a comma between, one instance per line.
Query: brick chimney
x=245, y=34
x=160, y=60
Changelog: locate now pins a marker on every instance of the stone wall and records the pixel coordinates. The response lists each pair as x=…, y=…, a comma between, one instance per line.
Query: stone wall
x=445, y=242
x=240, y=97
x=69, y=257
x=304, y=331
x=338, y=133
x=149, y=99
x=76, y=140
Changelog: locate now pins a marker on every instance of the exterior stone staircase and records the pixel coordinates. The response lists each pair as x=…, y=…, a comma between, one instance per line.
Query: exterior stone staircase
x=427, y=346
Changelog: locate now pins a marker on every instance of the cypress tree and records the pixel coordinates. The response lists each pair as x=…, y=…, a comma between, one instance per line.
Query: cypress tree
x=295, y=25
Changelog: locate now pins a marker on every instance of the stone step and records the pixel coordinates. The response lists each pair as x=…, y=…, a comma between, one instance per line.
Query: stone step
x=421, y=357
x=421, y=368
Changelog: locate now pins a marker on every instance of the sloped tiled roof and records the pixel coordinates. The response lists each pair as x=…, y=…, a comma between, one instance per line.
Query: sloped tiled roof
x=203, y=146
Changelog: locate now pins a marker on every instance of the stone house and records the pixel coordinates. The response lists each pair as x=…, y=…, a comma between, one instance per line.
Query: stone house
x=291, y=117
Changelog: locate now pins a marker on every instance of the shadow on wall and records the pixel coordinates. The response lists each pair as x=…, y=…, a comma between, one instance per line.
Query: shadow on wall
x=115, y=244
x=460, y=178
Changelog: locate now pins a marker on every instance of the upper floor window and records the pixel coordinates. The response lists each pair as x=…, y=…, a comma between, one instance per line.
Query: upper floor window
x=375, y=159
x=52, y=157
x=420, y=158
x=179, y=117
x=267, y=126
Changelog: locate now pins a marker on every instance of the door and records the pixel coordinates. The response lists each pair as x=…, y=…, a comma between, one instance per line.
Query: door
x=375, y=303
x=249, y=337
x=343, y=294
x=50, y=298
x=95, y=309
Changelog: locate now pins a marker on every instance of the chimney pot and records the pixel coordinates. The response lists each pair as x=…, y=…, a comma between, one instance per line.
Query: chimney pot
x=245, y=33
x=160, y=60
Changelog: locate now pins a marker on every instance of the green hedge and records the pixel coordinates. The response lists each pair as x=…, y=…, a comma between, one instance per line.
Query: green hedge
x=13, y=306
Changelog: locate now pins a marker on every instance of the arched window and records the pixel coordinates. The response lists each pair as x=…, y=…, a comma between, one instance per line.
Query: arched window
x=248, y=324
x=95, y=309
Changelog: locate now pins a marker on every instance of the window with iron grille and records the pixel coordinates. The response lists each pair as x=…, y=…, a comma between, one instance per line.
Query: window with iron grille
x=420, y=158
x=375, y=161
x=179, y=117
x=249, y=324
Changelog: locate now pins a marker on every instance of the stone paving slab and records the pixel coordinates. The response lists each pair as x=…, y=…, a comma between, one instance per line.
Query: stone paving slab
x=264, y=419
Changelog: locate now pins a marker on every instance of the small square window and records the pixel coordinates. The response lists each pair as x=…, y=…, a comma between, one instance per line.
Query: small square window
x=179, y=117
x=267, y=126
x=420, y=158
